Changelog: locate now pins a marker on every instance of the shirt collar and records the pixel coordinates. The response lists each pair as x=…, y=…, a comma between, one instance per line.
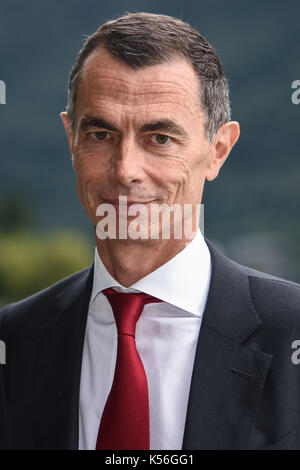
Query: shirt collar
x=183, y=281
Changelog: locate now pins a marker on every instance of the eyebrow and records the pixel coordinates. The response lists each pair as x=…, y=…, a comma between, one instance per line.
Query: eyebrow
x=91, y=121
x=162, y=125
x=166, y=125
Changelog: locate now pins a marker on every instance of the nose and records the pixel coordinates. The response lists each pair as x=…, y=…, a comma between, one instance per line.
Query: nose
x=128, y=164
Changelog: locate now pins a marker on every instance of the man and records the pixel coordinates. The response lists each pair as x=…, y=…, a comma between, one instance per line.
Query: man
x=206, y=363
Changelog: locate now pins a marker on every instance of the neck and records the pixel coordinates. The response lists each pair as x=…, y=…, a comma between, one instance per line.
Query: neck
x=128, y=261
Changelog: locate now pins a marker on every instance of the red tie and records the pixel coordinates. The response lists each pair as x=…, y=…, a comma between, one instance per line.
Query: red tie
x=125, y=419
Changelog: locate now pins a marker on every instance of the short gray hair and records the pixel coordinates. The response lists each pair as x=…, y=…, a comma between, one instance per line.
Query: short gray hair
x=141, y=39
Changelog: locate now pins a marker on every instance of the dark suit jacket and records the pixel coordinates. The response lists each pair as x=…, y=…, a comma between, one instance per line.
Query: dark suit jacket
x=245, y=390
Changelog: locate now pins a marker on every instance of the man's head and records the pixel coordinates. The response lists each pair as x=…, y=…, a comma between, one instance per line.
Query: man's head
x=148, y=113
x=144, y=39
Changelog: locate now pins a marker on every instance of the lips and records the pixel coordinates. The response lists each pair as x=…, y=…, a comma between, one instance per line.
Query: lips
x=116, y=202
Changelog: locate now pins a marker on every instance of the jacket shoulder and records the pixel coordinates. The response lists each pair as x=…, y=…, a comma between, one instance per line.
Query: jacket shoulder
x=32, y=307
x=268, y=293
x=266, y=289
x=277, y=302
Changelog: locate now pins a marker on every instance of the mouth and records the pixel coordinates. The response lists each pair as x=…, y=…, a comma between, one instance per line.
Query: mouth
x=117, y=203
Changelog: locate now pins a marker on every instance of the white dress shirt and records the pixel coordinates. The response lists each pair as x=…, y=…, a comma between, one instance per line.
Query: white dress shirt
x=166, y=340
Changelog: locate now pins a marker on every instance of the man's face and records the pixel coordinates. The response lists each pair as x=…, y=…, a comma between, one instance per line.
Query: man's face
x=138, y=133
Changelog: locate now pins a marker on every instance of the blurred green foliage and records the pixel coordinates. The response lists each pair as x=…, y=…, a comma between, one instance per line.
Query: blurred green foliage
x=32, y=262
x=16, y=211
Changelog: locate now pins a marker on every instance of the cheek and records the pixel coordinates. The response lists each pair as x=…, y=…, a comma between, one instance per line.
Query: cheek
x=167, y=175
x=91, y=178
x=187, y=173
x=179, y=170
x=87, y=165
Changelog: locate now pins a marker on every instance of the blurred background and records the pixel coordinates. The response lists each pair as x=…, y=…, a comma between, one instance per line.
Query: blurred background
x=251, y=209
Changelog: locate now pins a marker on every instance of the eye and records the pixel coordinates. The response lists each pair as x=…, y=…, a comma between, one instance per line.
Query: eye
x=99, y=135
x=160, y=139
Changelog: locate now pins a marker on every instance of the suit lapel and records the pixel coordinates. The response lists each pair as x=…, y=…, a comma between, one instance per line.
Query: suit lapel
x=228, y=377
x=59, y=347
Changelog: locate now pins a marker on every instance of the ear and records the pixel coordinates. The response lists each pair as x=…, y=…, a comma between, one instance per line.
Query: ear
x=64, y=118
x=222, y=144
x=70, y=135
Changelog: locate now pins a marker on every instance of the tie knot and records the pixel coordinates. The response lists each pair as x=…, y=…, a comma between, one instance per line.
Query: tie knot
x=127, y=308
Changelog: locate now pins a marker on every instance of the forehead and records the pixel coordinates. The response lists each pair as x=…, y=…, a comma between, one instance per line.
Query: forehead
x=105, y=79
